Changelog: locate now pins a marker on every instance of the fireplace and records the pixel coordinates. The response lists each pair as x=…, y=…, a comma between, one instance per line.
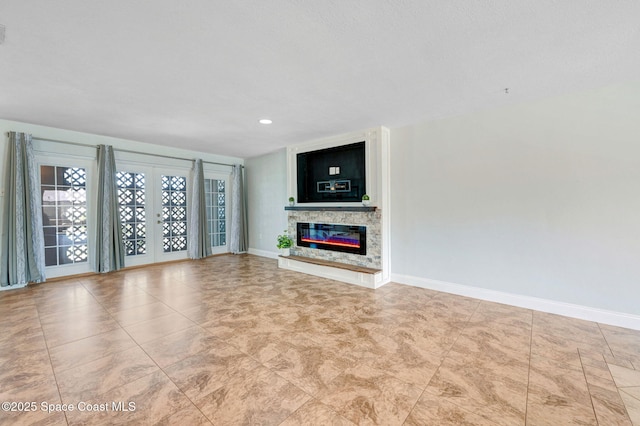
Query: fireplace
x=343, y=238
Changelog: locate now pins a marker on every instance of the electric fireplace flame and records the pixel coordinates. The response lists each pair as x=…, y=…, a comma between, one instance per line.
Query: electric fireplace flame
x=333, y=242
x=343, y=238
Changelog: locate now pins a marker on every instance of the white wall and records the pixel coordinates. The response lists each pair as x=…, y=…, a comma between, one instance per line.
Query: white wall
x=267, y=195
x=91, y=140
x=540, y=199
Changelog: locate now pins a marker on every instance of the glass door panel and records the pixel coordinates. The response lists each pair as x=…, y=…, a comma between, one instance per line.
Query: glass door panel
x=216, y=207
x=173, y=217
x=215, y=198
x=133, y=215
x=64, y=214
x=66, y=191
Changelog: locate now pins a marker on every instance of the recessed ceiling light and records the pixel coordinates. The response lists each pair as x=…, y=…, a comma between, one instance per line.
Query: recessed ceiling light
x=265, y=121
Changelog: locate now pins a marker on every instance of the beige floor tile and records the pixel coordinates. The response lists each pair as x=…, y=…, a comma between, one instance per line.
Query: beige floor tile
x=129, y=299
x=142, y=313
x=109, y=285
x=633, y=391
x=207, y=371
x=25, y=363
x=190, y=416
x=88, y=381
x=432, y=410
x=34, y=418
x=229, y=324
x=176, y=346
x=404, y=359
x=79, y=325
x=571, y=328
x=19, y=298
x=493, y=388
x=622, y=361
x=18, y=322
x=239, y=341
x=262, y=346
x=367, y=396
x=204, y=312
x=89, y=349
x=185, y=300
x=625, y=377
x=33, y=392
x=309, y=365
x=71, y=299
x=492, y=345
x=75, y=313
x=556, y=348
x=436, y=336
x=556, y=393
x=147, y=400
x=633, y=407
x=255, y=397
x=156, y=328
x=608, y=406
x=599, y=377
x=21, y=334
x=595, y=359
x=622, y=339
x=315, y=413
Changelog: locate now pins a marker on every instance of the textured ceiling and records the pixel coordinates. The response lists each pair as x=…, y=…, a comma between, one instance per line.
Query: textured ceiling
x=200, y=73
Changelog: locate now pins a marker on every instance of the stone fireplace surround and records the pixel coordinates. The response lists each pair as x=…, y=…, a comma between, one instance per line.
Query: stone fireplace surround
x=372, y=220
x=375, y=219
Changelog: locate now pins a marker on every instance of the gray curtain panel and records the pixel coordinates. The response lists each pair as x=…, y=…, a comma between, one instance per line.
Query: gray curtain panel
x=199, y=244
x=109, y=247
x=22, y=235
x=239, y=242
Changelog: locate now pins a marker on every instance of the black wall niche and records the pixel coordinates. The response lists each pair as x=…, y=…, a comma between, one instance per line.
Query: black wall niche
x=318, y=168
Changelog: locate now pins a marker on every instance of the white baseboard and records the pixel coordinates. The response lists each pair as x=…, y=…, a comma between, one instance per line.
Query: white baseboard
x=13, y=287
x=263, y=253
x=603, y=316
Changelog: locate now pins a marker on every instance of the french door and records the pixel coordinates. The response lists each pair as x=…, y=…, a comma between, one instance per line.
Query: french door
x=154, y=211
x=66, y=214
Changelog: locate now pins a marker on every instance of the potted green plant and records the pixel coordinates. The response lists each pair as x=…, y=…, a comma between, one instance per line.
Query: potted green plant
x=284, y=244
x=366, y=200
x=291, y=201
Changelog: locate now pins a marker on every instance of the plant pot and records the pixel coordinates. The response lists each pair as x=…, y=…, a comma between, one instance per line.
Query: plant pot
x=366, y=202
x=285, y=252
x=291, y=203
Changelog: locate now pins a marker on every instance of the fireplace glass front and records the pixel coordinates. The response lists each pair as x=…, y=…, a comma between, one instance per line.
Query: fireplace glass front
x=343, y=238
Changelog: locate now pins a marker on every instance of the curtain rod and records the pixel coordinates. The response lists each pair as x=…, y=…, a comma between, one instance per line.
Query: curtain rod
x=136, y=152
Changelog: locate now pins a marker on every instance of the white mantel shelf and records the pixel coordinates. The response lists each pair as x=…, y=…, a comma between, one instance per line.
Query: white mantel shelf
x=332, y=208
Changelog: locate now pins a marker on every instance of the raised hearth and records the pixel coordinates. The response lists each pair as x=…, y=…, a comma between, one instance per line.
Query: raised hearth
x=365, y=277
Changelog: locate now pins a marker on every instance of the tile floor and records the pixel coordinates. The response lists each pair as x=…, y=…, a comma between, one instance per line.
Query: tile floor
x=234, y=340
